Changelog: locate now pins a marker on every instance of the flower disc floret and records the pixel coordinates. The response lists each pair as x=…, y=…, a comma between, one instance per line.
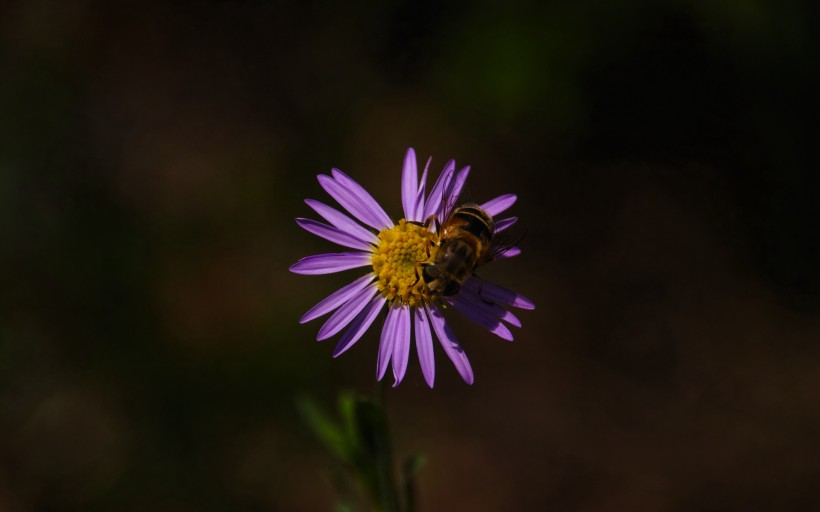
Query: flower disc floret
x=397, y=262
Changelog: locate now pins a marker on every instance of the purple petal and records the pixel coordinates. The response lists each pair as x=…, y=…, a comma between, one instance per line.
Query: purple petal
x=422, y=192
x=409, y=188
x=450, y=344
x=495, y=293
x=357, y=205
x=342, y=221
x=510, y=318
x=424, y=347
x=360, y=192
x=512, y=252
x=433, y=204
x=359, y=325
x=336, y=299
x=489, y=309
x=386, y=342
x=503, y=224
x=345, y=314
x=479, y=316
x=499, y=204
x=333, y=234
x=331, y=262
x=401, y=346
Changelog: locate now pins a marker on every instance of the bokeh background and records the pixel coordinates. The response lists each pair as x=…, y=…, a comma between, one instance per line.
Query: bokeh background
x=154, y=154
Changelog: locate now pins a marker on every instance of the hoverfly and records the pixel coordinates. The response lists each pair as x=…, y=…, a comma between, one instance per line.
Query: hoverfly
x=468, y=238
x=464, y=244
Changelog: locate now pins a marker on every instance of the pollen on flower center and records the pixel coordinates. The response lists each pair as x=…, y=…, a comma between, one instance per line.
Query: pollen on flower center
x=396, y=262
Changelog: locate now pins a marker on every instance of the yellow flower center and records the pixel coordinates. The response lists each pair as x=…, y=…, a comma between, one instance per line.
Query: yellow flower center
x=397, y=262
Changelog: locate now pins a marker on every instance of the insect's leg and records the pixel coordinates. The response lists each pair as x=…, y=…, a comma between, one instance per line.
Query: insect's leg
x=430, y=220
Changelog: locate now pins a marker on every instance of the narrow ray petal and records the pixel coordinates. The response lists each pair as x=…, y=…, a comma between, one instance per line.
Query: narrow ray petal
x=424, y=346
x=351, y=202
x=401, y=346
x=496, y=293
x=360, y=192
x=386, y=342
x=512, y=252
x=345, y=314
x=337, y=298
x=510, y=318
x=331, y=262
x=333, y=234
x=486, y=308
x=409, y=184
x=501, y=225
x=342, y=221
x=475, y=314
x=450, y=344
x=359, y=325
x=499, y=204
x=433, y=204
x=422, y=192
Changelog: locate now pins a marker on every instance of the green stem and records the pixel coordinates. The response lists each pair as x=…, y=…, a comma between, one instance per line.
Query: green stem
x=389, y=497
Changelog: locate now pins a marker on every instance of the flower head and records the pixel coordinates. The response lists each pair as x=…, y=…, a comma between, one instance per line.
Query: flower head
x=435, y=242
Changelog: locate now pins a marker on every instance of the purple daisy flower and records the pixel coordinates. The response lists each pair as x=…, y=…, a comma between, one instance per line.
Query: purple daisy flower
x=395, y=254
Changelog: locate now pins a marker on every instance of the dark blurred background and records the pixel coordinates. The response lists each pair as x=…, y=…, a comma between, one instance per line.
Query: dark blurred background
x=154, y=154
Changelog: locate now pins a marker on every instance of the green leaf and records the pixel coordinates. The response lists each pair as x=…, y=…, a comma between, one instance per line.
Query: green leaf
x=360, y=438
x=328, y=431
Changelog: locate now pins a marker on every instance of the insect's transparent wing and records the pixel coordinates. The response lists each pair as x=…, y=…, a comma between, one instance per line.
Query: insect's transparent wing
x=453, y=188
x=505, y=240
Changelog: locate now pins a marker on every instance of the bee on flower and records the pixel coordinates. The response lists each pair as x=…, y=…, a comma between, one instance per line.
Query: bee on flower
x=416, y=267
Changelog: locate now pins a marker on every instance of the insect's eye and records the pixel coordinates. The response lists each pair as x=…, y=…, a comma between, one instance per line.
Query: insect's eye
x=430, y=273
